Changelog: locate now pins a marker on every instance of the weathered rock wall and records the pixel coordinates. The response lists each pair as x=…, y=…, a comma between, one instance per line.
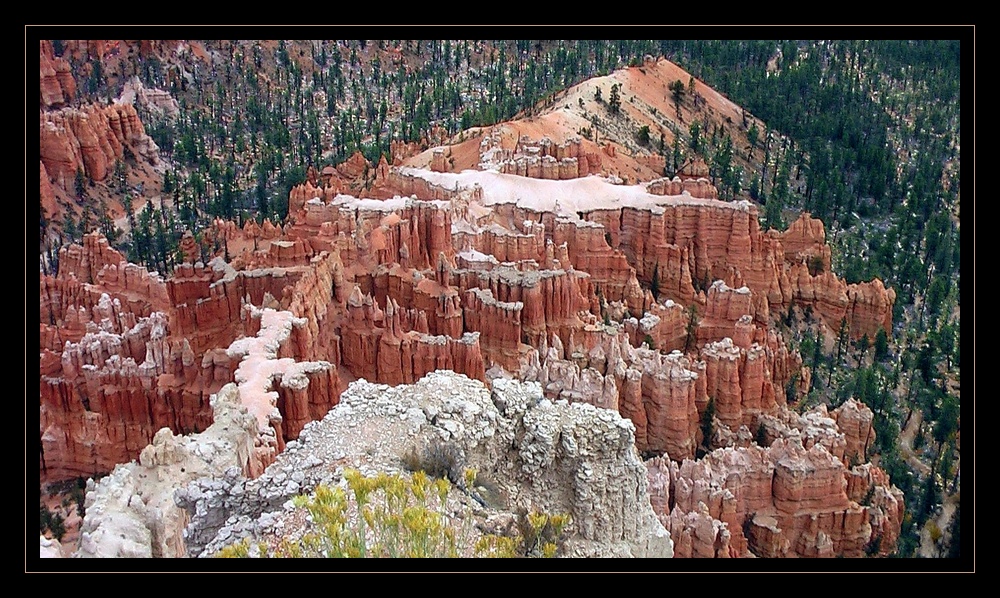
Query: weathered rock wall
x=854, y=420
x=866, y=306
x=375, y=346
x=665, y=323
x=498, y=324
x=589, y=252
x=728, y=313
x=543, y=159
x=661, y=393
x=408, y=232
x=68, y=306
x=57, y=86
x=206, y=304
x=90, y=139
x=741, y=383
x=551, y=299
x=782, y=500
x=409, y=184
x=114, y=390
x=315, y=298
x=805, y=240
x=695, y=187
x=506, y=245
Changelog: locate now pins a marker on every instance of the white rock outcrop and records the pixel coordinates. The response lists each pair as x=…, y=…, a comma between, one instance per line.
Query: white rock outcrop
x=544, y=456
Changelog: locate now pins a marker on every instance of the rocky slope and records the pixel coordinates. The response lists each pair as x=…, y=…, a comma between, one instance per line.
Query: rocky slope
x=82, y=142
x=131, y=512
x=575, y=133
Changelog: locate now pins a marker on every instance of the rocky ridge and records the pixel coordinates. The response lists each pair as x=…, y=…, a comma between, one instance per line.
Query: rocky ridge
x=131, y=513
x=550, y=457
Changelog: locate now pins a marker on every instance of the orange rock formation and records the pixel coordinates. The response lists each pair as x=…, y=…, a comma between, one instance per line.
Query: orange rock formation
x=56, y=84
x=784, y=500
x=90, y=139
x=429, y=274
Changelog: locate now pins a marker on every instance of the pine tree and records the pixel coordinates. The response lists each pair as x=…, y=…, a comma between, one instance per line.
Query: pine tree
x=79, y=183
x=881, y=345
x=643, y=135
x=841, y=338
x=692, y=328
x=57, y=526
x=677, y=156
x=615, y=101
x=722, y=164
x=955, y=531
x=753, y=134
x=44, y=518
x=70, y=229
x=816, y=357
x=706, y=422
x=863, y=345
x=695, y=137
x=677, y=93
x=108, y=228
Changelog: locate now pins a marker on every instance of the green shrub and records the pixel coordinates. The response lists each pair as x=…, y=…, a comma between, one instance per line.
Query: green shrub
x=540, y=533
x=394, y=516
x=437, y=459
x=642, y=135
x=57, y=526
x=815, y=265
x=874, y=546
x=44, y=518
x=761, y=437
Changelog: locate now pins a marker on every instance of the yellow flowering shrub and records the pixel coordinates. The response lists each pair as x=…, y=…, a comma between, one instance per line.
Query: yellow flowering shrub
x=393, y=516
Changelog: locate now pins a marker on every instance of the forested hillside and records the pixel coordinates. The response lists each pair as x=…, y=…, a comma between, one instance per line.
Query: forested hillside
x=877, y=131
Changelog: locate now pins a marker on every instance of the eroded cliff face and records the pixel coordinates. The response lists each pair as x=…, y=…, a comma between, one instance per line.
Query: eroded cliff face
x=57, y=86
x=799, y=495
x=90, y=139
x=542, y=159
x=123, y=355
